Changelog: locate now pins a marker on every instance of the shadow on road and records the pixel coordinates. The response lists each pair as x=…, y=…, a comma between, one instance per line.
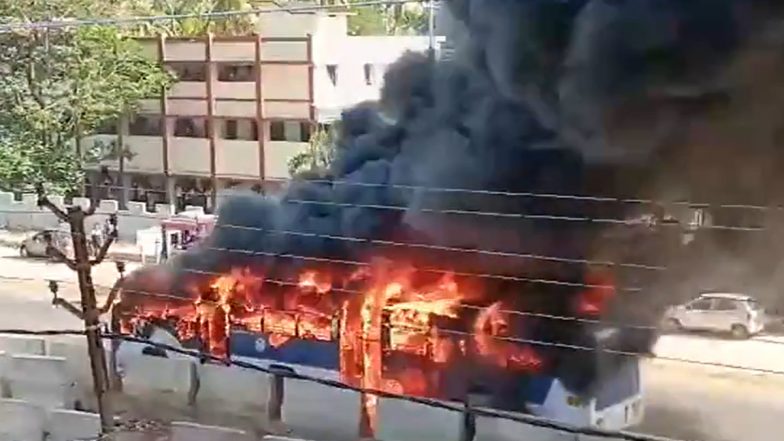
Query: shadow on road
x=675, y=423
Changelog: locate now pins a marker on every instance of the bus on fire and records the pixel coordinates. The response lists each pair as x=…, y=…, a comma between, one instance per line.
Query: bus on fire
x=613, y=401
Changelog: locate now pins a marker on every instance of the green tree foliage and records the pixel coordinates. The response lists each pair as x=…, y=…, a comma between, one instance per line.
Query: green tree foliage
x=411, y=20
x=59, y=85
x=366, y=21
x=395, y=19
x=408, y=19
x=319, y=154
x=241, y=24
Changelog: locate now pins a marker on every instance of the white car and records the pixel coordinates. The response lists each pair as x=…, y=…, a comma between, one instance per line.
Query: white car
x=738, y=314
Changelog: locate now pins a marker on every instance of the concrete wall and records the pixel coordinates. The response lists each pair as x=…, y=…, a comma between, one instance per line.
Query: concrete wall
x=26, y=215
x=310, y=410
x=318, y=411
x=20, y=420
x=39, y=379
x=231, y=387
x=70, y=425
x=20, y=344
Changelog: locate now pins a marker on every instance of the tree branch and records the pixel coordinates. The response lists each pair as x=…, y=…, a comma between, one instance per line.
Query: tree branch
x=31, y=83
x=52, y=251
x=104, y=250
x=44, y=201
x=57, y=301
x=110, y=299
x=93, y=206
x=105, y=247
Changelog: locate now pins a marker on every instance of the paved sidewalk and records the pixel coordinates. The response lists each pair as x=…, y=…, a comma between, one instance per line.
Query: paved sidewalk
x=120, y=251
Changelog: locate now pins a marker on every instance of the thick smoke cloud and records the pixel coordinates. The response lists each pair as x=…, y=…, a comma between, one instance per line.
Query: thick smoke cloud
x=605, y=97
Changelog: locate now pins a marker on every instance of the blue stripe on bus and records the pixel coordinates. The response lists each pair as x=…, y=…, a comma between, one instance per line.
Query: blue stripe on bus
x=326, y=355
x=320, y=354
x=538, y=388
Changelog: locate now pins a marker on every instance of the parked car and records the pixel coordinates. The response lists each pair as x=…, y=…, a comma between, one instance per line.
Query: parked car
x=738, y=314
x=35, y=245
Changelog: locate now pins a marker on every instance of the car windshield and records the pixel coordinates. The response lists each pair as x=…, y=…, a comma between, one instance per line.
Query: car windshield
x=753, y=304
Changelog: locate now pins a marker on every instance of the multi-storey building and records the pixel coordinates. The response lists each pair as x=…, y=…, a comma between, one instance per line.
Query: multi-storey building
x=243, y=106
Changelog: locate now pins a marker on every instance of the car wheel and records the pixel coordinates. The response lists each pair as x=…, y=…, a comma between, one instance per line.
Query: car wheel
x=672, y=325
x=740, y=332
x=23, y=251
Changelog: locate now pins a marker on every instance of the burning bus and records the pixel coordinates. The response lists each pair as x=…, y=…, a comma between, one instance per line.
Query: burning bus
x=393, y=328
x=473, y=230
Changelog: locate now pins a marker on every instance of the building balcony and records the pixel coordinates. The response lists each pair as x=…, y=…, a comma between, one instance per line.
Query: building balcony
x=146, y=152
x=187, y=107
x=277, y=155
x=237, y=159
x=184, y=50
x=189, y=156
x=188, y=89
x=234, y=159
x=234, y=51
x=239, y=90
x=285, y=82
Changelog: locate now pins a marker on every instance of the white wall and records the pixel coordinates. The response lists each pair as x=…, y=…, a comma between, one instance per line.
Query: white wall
x=237, y=159
x=350, y=55
x=25, y=214
x=189, y=156
x=333, y=46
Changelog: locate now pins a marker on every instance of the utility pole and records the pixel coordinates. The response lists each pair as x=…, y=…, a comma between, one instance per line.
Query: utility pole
x=123, y=193
x=431, y=26
x=82, y=264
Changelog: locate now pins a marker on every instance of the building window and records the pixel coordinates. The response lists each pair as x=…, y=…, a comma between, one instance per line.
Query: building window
x=370, y=74
x=190, y=128
x=277, y=131
x=230, y=129
x=292, y=131
x=235, y=72
x=304, y=131
x=244, y=129
x=189, y=71
x=145, y=125
x=332, y=72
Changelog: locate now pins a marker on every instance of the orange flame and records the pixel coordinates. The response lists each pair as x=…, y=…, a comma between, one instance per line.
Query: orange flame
x=392, y=313
x=316, y=281
x=491, y=335
x=593, y=300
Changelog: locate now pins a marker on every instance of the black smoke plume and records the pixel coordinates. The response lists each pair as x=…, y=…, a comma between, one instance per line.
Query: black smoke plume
x=660, y=99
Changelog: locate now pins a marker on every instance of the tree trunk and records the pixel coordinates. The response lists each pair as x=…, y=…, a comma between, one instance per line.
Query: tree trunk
x=80, y=158
x=123, y=189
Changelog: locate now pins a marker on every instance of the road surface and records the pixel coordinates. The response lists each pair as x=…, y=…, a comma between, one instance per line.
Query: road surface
x=682, y=400
x=25, y=298
x=687, y=403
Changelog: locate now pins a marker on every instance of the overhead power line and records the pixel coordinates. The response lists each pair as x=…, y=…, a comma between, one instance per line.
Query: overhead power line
x=509, y=339
x=483, y=412
x=494, y=253
x=70, y=23
x=509, y=278
x=604, y=199
x=534, y=217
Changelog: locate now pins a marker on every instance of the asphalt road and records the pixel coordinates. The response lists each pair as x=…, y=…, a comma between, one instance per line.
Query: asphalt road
x=25, y=299
x=682, y=400
x=688, y=403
